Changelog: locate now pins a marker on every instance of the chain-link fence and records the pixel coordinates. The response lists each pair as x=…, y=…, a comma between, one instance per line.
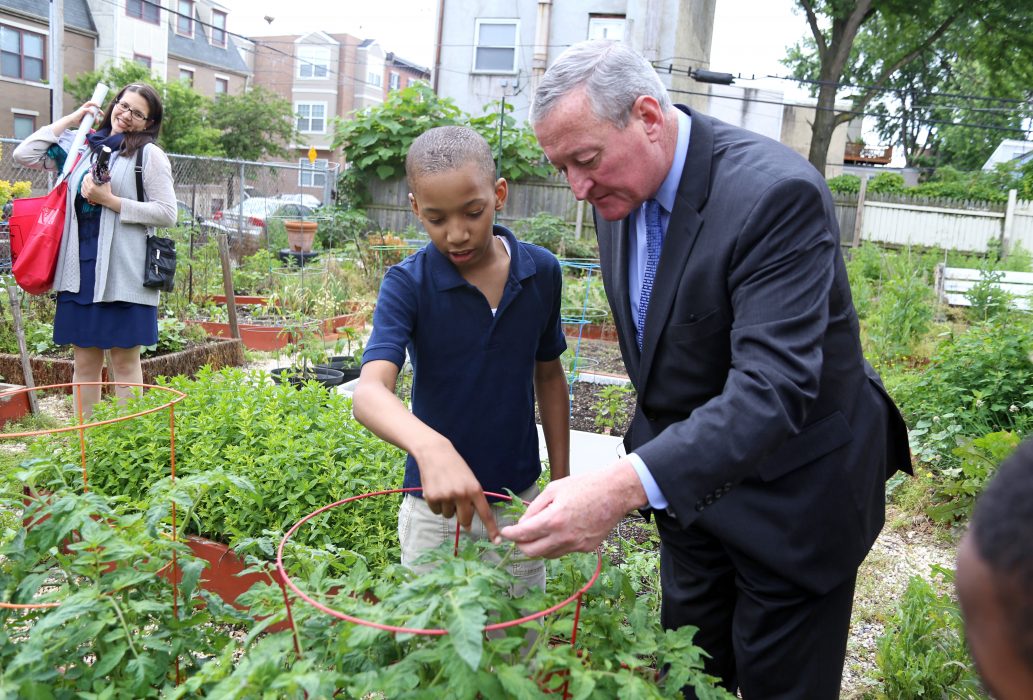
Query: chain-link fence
x=240, y=198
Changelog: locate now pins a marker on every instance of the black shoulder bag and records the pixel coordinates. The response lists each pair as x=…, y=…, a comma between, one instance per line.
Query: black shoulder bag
x=160, y=270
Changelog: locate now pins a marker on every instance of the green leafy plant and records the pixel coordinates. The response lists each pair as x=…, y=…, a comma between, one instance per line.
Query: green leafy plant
x=922, y=653
x=986, y=297
x=611, y=408
x=902, y=313
x=957, y=488
x=273, y=437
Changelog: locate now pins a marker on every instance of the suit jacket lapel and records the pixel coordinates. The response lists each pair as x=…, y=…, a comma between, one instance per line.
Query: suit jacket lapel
x=613, y=254
x=680, y=238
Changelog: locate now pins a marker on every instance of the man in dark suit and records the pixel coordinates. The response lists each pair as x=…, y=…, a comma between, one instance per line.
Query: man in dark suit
x=762, y=439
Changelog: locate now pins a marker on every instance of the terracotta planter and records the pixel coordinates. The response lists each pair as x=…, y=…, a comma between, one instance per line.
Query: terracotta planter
x=13, y=406
x=301, y=235
x=591, y=331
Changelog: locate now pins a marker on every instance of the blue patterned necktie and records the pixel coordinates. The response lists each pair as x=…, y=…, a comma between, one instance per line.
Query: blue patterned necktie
x=654, y=240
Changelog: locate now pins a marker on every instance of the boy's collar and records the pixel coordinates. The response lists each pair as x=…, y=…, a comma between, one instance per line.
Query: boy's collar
x=446, y=276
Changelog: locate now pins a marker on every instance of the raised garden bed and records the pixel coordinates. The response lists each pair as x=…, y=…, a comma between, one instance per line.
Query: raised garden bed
x=216, y=352
x=12, y=407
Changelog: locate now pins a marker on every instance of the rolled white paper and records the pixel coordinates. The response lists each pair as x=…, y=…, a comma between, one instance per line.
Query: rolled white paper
x=99, y=93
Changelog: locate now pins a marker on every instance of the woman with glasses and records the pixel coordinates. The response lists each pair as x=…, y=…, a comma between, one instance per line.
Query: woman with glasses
x=101, y=301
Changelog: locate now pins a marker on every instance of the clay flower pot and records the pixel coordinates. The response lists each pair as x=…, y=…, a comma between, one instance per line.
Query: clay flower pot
x=300, y=235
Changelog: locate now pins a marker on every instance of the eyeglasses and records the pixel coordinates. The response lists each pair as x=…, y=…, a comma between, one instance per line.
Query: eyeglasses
x=136, y=114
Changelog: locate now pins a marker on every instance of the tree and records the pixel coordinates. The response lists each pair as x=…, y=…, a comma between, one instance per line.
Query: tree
x=254, y=125
x=377, y=139
x=184, y=127
x=897, y=33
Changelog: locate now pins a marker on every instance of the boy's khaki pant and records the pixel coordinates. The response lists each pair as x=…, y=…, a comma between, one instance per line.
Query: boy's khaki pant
x=420, y=530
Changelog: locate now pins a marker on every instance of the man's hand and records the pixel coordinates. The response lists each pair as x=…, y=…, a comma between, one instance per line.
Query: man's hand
x=576, y=514
x=450, y=488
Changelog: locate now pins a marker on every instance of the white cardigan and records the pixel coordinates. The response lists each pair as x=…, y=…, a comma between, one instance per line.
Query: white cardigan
x=121, y=248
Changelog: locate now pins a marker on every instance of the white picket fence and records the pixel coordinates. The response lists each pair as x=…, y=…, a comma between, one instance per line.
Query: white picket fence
x=950, y=224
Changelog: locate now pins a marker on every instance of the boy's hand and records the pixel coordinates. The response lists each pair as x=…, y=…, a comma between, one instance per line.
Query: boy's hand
x=450, y=488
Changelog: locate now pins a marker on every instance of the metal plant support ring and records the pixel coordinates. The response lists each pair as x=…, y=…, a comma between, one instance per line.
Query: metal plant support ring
x=81, y=427
x=409, y=630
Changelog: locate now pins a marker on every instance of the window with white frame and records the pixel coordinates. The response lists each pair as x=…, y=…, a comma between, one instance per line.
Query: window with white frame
x=186, y=75
x=144, y=61
x=311, y=117
x=495, y=46
x=22, y=54
x=609, y=27
x=142, y=9
x=218, y=28
x=222, y=85
x=395, y=81
x=313, y=61
x=185, y=17
x=312, y=174
x=24, y=125
x=375, y=79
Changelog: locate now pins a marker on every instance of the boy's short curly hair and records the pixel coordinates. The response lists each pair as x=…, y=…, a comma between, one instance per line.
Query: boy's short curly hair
x=1002, y=525
x=446, y=148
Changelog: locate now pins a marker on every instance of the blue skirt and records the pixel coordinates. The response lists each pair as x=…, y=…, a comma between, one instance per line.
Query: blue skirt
x=81, y=322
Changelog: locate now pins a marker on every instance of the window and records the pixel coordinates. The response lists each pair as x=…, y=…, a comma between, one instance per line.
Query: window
x=606, y=27
x=144, y=61
x=222, y=86
x=142, y=9
x=313, y=61
x=186, y=75
x=495, y=50
x=24, y=125
x=312, y=174
x=218, y=28
x=395, y=81
x=21, y=54
x=311, y=117
x=374, y=79
x=185, y=17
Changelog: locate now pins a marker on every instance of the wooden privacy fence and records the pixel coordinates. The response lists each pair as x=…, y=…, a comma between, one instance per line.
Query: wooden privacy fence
x=952, y=224
x=389, y=204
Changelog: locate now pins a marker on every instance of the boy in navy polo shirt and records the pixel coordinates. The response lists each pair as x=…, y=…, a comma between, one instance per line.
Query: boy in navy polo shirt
x=479, y=313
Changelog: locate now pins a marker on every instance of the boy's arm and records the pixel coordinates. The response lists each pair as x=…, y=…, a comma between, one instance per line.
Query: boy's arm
x=550, y=388
x=449, y=485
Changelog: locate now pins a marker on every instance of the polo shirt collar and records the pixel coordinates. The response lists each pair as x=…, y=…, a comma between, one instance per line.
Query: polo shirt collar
x=446, y=276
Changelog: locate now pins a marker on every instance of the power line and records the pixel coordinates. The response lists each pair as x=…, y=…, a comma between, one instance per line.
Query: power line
x=989, y=127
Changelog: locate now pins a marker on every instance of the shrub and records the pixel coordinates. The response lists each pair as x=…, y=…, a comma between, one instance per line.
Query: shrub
x=956, y=488
x=902, y=312
x=887, y=183
x=845, y=184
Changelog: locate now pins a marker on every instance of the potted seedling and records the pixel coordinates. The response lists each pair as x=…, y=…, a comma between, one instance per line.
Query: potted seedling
x=350, y=362
x=308, y=350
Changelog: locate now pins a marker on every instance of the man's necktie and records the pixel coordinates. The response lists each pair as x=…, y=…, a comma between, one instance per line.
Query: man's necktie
x=654, y=240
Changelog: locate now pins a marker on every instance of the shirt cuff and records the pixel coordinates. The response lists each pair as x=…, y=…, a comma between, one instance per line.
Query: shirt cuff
x=653, y=492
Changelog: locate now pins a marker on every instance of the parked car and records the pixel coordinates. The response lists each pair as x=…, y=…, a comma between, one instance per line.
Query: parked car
x=253, y=215
x=307, y=199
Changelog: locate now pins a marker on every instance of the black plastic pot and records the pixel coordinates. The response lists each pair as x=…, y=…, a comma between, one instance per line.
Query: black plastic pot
x=345, y=364
x=296, y=377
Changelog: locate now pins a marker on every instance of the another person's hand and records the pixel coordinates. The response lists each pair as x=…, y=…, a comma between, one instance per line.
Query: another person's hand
x=450, y=488
x=576, y=514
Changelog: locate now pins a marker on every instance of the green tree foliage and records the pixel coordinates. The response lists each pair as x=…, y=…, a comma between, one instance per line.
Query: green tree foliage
x=377, y=139
x=867, y=43
x=185, y=128
x=253, y=125
x=246, y=127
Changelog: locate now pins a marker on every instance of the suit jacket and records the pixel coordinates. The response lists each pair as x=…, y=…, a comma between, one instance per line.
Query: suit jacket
x=757, y=414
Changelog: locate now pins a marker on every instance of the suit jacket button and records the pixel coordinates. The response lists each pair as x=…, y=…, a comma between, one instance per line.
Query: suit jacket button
x=708, y=499
x=699, y=506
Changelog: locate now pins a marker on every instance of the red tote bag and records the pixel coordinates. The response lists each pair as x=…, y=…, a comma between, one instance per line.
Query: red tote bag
x=36, y=225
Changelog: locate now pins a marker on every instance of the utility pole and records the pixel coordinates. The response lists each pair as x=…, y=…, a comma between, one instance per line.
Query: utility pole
x=502, y=118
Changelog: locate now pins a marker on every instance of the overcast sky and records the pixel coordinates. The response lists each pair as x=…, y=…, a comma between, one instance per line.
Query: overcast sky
x=750, y=36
